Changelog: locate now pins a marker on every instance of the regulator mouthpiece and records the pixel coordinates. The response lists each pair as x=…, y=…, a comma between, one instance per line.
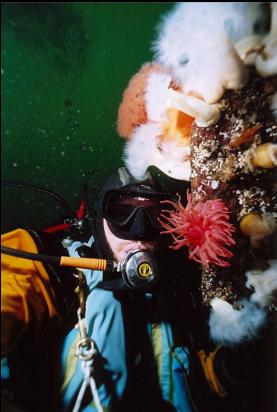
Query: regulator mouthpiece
x=140, y=270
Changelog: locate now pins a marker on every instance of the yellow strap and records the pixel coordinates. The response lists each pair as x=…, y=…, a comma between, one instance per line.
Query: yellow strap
x=207, y=362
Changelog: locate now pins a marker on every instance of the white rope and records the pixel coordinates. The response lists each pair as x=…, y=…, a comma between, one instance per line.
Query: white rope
x=78, y=402
x=95, y=395
x=85, y=350
x=88, y=381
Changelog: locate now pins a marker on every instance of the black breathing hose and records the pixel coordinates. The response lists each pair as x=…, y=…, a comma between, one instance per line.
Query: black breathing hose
x=55, y=195
x=77, y=262
x=54, y=260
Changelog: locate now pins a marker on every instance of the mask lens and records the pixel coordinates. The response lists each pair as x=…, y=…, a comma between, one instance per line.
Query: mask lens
x=120, y=206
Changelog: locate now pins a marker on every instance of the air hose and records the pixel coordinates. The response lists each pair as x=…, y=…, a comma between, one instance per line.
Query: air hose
x=139, y=269
x=84, y=263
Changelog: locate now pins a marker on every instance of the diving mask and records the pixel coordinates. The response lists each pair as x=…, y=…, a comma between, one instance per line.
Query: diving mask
x=134, y=215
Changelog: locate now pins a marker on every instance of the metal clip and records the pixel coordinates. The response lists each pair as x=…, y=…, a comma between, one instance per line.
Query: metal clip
x=81, y=291
x=85, y=348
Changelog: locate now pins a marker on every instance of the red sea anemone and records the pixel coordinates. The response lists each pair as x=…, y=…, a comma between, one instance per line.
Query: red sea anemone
x=204, y=228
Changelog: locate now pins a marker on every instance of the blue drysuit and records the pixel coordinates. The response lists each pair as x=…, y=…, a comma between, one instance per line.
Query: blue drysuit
x=139, y=368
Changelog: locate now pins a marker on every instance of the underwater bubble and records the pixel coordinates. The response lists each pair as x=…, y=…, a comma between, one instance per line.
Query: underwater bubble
x=68, y=102
x=83, y=146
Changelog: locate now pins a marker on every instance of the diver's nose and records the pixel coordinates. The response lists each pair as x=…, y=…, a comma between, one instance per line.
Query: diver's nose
x=140, y=224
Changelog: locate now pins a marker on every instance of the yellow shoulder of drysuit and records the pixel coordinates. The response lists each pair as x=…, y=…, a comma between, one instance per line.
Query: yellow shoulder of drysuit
x=27, y=298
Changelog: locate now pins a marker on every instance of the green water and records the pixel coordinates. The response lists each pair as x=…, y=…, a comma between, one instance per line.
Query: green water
x=64, y=69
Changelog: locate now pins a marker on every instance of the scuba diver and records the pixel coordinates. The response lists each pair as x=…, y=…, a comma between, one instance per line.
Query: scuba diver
x=122, y=331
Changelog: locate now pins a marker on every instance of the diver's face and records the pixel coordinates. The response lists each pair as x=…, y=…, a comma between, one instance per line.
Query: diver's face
x=122, y=247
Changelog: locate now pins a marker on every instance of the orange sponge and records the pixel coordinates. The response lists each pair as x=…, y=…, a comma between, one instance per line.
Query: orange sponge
x=132, y=110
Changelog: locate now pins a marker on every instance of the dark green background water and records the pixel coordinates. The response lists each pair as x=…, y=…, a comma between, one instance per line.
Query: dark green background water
x=64, y=69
